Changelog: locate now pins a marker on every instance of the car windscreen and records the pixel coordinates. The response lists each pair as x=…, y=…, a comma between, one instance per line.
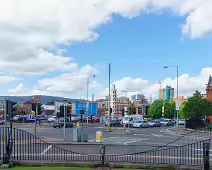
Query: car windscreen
x=144, y=121
x=138, y=122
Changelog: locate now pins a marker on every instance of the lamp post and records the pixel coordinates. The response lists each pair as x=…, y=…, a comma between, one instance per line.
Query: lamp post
x=177, y=102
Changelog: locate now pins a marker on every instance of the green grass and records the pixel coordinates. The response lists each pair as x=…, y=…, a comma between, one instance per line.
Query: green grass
x=49, y=168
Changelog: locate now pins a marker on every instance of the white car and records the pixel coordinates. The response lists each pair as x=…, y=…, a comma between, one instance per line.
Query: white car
x=139, y=124
x=181, y=122
x=52, y=118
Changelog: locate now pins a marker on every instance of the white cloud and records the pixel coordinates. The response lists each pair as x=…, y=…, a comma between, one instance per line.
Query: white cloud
x=30, y=29
x=64, y=85
x=8, y=79
x=187, y=85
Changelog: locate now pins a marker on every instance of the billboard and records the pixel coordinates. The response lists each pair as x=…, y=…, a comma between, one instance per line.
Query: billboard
x=92, y=109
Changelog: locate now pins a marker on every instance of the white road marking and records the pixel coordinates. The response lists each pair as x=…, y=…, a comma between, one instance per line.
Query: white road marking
x=141, y=135
x=157, y=135
x=51, y=138
x=49, y=147
x=126, y=143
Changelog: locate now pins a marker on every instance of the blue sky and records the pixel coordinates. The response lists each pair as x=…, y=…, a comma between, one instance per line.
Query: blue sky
x=138, y=48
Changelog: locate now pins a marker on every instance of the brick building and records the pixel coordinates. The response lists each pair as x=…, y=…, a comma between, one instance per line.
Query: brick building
x=209, y=90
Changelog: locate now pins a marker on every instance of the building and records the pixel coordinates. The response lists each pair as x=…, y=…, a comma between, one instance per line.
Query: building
x=181, y=99
x=122, y=103
x=168, y=93
x=209, y=90
x=137, y=97
x=113, y=101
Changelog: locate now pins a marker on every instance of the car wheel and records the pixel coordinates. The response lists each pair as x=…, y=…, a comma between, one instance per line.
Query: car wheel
x=54, y=127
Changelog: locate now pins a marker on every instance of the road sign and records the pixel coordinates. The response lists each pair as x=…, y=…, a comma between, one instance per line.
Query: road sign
x=31, y=117
x=32, y=113
x=162, y=115
x=177, y=105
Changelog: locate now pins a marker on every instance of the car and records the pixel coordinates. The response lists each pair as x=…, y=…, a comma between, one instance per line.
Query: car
x=154, y=123
x=52, y=118
x=167, y=122
x=181, y=121
x=114, y=123
x=140, y=124
x=96, y=120
x=2, y=122
x=60, y=123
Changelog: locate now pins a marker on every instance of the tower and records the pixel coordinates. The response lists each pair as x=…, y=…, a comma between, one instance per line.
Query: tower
x=113, y=103
x=209, y=90
x=160, y=91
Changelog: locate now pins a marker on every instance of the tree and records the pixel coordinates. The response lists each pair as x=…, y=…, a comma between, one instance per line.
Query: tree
x=181, y=113
x=197, y=106
x=132, y=109
x=155, y=109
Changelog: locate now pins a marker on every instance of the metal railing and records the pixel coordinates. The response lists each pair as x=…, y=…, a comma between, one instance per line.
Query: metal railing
x=28, y=147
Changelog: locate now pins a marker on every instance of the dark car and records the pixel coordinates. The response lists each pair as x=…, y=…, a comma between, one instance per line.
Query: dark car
x=114, y=123
x=60, y=123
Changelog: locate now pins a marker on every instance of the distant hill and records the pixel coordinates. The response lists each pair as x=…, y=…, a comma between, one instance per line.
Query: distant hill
x=44, y=99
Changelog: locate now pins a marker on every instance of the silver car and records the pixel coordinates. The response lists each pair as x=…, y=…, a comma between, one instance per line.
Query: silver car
x=154, y=123
x=140, y=124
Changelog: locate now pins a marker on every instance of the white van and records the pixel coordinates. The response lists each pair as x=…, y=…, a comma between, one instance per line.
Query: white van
x=132, y=119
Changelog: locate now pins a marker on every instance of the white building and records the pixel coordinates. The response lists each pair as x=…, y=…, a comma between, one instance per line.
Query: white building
x=113, y=102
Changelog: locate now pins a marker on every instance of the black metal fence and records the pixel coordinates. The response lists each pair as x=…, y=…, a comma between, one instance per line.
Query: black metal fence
x=28, y=147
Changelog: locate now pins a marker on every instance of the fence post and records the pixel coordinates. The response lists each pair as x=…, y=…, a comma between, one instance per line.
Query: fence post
x=206, y=156
x=102, y=151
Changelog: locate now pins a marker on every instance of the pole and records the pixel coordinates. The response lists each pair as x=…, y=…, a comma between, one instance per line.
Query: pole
x=87, y=96
x=5, y=119
x=177, y=93
x=64, y=125
x=35, y=130
x=109, y=95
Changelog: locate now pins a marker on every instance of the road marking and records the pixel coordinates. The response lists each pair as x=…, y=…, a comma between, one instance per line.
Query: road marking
x=50, y=138
x=126, y=143
x=157, y=135
x=49, y=147
x=141, y=135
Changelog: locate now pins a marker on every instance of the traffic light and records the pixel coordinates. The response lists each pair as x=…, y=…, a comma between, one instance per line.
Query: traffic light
x=82, y=111
x=39, y=109
x=34, y=107
x=122, y=111
x=64, y=110
x=10, y=108
x=111, y=110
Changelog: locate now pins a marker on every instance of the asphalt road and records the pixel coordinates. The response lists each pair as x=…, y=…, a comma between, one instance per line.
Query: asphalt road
x=142, y=145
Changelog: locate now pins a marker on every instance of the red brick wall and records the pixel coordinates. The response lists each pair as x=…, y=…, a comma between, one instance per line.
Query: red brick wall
x=209, y=94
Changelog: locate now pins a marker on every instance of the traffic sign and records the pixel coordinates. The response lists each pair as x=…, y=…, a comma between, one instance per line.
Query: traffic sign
x=178, y=105
x=31, y=117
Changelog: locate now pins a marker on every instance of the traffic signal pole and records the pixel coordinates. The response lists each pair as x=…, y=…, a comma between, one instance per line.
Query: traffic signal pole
x=64, y=125
x=5, y=119
x=35, y=129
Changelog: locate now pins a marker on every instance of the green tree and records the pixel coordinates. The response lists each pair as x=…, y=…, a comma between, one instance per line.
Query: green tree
x=133, y=109
x=197, y=106
x=155, y=109
x=181, y=113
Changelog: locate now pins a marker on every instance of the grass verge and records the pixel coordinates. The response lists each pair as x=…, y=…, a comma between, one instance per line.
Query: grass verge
x=49, y=168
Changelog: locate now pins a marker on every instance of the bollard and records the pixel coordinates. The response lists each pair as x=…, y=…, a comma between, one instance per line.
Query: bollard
x=108, y=128
x=99, y=136
x=78, y=124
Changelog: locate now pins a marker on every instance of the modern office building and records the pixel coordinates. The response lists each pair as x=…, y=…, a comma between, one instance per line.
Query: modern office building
x=113, y=101
x=168, y=93
x=137, y=97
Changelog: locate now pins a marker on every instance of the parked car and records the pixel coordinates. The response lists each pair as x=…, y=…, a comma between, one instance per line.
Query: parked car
x=2, y=121
x=181, y=121
x=154, y=123
x=114, y=123
x=167, y=122
x=96, y=120
x=140, y=124
x=60, y=123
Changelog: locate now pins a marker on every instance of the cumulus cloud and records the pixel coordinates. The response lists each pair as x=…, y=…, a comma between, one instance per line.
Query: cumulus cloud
x=8, y=79
x=64, y=85
x=31, y=29
x=187, y=85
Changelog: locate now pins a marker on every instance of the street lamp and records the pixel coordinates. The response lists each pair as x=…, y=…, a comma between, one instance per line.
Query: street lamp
x=87, y=106
x=177, y=88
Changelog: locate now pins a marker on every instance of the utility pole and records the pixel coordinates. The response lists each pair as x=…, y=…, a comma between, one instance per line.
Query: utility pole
x=35, y=129
x=109, y=95
x=87, y=98
x=5, y=118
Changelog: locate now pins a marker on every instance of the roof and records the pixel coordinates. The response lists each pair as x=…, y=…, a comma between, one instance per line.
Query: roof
x=209, y=83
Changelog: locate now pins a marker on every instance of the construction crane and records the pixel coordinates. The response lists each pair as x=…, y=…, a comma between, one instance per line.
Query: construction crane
x=125, y=93
x=160, y=91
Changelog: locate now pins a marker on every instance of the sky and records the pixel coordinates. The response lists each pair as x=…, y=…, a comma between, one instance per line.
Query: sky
x=53, y=47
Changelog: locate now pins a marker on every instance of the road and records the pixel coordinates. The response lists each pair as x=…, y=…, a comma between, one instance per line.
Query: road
x=142, y=145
